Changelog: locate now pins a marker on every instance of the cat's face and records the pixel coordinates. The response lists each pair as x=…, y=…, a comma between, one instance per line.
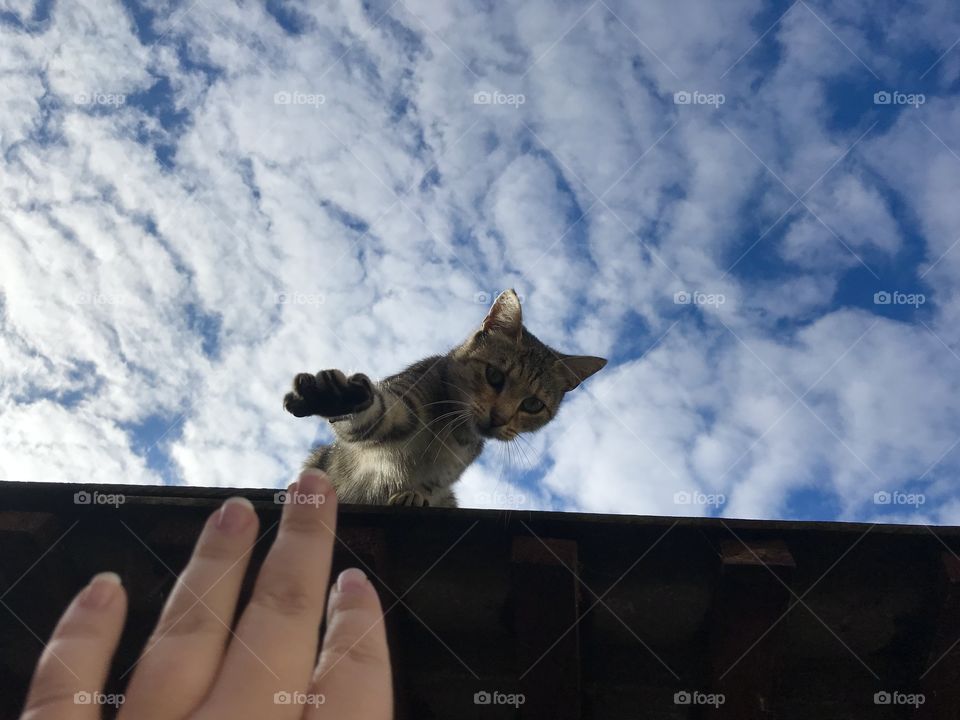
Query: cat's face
x=512, y=382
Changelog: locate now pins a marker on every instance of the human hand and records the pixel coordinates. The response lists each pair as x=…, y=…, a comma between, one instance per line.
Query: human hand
x=194, y=666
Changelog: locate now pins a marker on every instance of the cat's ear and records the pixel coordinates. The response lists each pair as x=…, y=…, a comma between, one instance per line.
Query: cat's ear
x=574, y=369
x=504, y=316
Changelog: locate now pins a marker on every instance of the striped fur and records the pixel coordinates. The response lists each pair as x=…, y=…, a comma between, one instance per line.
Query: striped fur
x=408, y=438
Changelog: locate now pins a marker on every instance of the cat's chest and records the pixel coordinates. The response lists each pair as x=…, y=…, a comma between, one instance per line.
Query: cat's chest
x=442, y=453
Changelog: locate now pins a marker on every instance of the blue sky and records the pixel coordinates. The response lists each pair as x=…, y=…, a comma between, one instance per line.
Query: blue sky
x=750, y=208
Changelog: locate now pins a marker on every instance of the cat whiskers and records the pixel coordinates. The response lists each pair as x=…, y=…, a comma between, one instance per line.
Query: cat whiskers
x=426, y=426
x=454, y=414
x=532, y=448
x=451, y=427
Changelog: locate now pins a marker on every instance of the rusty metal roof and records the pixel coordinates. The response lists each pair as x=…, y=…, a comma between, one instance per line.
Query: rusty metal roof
x=580, y=616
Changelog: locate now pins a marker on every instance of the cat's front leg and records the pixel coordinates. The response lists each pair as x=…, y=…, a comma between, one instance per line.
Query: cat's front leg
x=329, y=394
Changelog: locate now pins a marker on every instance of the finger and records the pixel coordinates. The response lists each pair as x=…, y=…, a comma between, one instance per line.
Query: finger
x=276, y=639
x=68, y=681
x=353, y=675
x=185, y=649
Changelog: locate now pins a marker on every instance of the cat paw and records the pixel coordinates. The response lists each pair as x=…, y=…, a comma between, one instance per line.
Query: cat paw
x=410, y=498
x=329, y=393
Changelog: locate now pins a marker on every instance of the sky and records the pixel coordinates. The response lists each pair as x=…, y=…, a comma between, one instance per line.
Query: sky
x=749, y=208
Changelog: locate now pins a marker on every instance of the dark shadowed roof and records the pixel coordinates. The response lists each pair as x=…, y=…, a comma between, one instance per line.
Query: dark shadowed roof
x=590, y=616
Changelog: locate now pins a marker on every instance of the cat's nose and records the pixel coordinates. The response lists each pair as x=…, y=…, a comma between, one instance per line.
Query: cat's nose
x=496, y=420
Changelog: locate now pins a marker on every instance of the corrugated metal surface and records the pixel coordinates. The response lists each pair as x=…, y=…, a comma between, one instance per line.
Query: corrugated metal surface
x=583, y=615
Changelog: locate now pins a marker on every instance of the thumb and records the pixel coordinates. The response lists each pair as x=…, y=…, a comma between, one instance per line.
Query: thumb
x=353, y=673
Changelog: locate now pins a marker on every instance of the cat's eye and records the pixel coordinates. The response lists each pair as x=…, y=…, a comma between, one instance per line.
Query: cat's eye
x=532, y=405
x=495, y=377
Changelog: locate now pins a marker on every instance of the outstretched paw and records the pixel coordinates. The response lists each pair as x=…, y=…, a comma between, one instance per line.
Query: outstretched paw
x=409, y=498
x=329, y=393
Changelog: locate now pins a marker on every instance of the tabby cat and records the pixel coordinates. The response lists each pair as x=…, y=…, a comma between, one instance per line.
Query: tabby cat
x=408, y=438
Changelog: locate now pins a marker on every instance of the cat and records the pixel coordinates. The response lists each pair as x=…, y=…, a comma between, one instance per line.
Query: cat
x=407, y=439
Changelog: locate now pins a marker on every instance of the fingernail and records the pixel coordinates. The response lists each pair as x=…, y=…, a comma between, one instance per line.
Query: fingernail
x=102, y=588
x=313, y=482
x=235, y=514
x=351, y=580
